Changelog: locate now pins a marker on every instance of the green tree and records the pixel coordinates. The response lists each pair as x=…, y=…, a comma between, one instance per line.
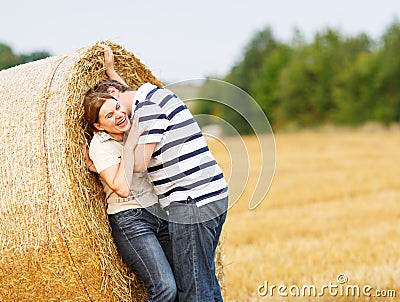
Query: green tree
x=34, y=56
x=257, y=74
x=388, y=78
x=316, y=84
x=264, y=89
x=327, y=57
x=355, y=94
x=295, y=89
x=244, y=73
x=345, y=80
x=7, y=57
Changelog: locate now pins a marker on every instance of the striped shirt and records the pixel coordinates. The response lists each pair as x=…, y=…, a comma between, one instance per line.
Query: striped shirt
x=182, y=165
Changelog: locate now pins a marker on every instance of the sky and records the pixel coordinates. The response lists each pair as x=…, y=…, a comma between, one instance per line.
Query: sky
x=177, y=39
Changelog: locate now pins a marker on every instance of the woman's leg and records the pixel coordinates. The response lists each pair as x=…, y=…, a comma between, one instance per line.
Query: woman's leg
x=162, y=232
x=134, y=234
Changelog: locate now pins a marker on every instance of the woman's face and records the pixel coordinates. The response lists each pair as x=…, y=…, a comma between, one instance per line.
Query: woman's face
x=113, y=118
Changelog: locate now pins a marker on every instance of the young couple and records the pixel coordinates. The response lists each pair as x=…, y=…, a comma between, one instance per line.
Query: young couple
x=166, y=195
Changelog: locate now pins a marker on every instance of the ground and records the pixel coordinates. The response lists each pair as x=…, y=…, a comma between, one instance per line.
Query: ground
x=332, y=213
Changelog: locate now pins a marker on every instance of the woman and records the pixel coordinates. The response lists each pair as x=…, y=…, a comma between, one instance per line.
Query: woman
x=140, y=233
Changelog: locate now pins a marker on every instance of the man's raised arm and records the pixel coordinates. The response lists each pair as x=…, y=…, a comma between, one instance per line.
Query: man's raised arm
x=109, y=64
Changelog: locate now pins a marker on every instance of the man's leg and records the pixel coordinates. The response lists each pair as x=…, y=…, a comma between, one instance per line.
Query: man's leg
x=194, y=243
x=214, y=216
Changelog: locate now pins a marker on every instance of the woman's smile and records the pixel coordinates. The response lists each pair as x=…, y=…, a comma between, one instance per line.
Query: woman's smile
x=123, y=122
x=113, y=118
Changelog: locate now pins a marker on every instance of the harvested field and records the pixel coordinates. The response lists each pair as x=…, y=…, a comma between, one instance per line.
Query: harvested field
x=333, y=208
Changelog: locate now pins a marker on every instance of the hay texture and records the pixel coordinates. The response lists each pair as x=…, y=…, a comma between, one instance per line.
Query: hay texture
x=55, y=242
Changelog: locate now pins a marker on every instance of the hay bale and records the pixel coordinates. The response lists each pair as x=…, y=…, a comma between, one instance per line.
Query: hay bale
x=55, y=243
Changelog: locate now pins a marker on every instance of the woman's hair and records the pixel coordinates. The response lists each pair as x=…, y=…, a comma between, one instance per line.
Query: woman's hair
x=92, y=104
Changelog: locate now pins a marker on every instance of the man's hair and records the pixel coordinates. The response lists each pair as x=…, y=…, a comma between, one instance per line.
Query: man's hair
x=105, y=84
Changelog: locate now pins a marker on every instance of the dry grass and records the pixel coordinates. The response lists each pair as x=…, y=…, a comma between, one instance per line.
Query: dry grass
x=333, y=207
x=55, y=242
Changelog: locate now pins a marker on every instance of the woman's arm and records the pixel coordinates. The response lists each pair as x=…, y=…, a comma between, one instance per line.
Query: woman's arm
x=119, y=177
x=109, y=63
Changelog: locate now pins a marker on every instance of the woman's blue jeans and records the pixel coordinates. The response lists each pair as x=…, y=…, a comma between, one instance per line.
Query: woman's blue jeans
x=195, y=233
x=143, y=241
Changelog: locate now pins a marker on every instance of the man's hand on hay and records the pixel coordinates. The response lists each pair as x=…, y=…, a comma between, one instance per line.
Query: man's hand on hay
x=109, y=63
x=108, y=57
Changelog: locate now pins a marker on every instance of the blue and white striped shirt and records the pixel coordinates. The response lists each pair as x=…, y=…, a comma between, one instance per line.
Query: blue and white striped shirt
x=182, y=165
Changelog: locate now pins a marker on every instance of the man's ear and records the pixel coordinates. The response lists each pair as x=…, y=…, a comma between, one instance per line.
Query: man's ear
x=113, y=91
x=97, y=126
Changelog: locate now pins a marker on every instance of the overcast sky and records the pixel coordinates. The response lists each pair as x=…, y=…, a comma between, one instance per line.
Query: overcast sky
x=180, y=39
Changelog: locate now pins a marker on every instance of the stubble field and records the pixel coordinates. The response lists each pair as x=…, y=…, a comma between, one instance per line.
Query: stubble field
x=332, y=212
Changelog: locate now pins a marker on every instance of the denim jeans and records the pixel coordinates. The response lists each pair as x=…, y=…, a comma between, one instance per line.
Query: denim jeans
x=194, y=245
x=143, y=242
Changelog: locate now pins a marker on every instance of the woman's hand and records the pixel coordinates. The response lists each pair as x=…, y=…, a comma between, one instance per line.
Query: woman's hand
x=88, y=161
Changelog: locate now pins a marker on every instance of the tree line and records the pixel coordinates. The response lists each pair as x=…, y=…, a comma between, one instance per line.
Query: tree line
x=8, y=58
x=335, y=79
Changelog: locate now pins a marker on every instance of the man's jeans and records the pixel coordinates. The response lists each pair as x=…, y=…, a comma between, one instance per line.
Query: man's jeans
x=143, y=242
x=195, y=233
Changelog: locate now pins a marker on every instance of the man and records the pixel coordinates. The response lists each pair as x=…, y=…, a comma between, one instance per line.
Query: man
x=188, y=181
